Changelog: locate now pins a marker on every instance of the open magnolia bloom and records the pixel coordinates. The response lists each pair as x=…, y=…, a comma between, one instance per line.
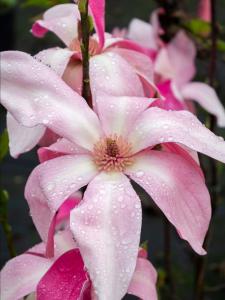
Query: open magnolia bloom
x=104, y=149
x=117, y=66
x=175, y=62
x=64, y=276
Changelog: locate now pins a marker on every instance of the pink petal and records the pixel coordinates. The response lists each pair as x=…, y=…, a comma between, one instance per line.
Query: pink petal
x=170, y=102
x=21, y=138
x=65, y=279
x=142, y=33
x=56, y=58
x=189, y=155
x=143, y=283
x=32, y=100
x=176, y=61
x=206, y=96
x=178, y=190
x=204, y=10
x=111, y=74
x=73, y=75
x=62, y=20
x=106, y=226
x=48, y=138
x=141, y=63
x=130, y=45
x=61, y=147
x=97, y=8
x=117, y=114
x=64, y=211
x=20, y=275
x=156, y=126
x=51, y=183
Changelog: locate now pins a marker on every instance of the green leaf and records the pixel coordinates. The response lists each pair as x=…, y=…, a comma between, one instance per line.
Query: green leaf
x=198, y=27
x=221, y=45
x=144, y=245
x=4, y=144
x=4, y=198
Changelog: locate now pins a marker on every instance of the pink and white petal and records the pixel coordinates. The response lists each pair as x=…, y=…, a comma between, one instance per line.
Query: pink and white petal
x=61, y=147
x=111, y=74
x=33, y=101
x=51, y=183
x=21, y=138
x=130, y=45
x=142, y=33
x=62, y=20
x=107, y=239
x=65, y=279
x=190, y=155
x=178, y=190
x=20, y=276
x=64, y=242
x=97, y=8
x=176, y=60
x=155, y=126
x=143, y=283
x=118, y=114
x=141, y=63
x=206, y=96
x=55, y=58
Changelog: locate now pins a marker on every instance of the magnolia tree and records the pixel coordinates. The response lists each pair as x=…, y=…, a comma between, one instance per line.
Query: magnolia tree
x=105, y=110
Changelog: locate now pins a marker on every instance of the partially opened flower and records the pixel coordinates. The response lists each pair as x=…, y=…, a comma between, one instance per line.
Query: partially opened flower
x=64, y=276
x=117, y=66
x=104, y=149
x=176, y=62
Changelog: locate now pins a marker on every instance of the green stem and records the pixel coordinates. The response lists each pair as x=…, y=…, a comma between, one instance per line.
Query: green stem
x=85, y=35
x=5, y=223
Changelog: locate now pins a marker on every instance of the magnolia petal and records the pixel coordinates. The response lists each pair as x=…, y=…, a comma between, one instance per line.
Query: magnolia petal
x=111, y=74
x=204, y=10
x=20, y=275
x=65, y=279
x=140, y=62
x=51, y=183
x=142, y=33
x=156, y=126
x=61, y=147
x=56, y=58
x=178, y=190
x=118, y=114
x=176, y=60
x=97, y=8
x=61, y=19
x=143, y=283
x=73, y=75
x=21, y=138
x=206, y=96
x=33, y=101
x=107, y=238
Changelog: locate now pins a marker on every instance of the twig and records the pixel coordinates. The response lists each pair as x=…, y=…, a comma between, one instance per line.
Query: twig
x=168, y=259
x=85, y=35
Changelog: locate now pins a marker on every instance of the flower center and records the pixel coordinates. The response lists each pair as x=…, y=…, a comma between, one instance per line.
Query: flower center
x=93, y=46
x=112, y=153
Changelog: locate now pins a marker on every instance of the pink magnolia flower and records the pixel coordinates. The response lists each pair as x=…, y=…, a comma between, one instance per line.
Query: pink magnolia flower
x=176, y=62
x=64, y=276
x=110, y=57
x=102, y=149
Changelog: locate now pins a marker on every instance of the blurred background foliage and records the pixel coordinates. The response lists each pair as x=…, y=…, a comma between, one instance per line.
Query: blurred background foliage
x=16, y=18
